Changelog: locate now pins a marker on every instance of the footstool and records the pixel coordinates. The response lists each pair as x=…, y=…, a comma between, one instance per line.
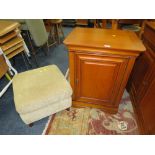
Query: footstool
x=41, y=92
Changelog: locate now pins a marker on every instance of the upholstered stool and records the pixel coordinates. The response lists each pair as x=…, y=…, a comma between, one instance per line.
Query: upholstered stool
x=41, y=92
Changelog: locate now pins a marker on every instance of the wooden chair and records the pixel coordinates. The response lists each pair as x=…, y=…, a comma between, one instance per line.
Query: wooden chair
x=11, y=41
x=102, y=23
x=98, y=24
x=56, y=29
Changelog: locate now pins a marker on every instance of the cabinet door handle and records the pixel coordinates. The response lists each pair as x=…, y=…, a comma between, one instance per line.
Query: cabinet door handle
x=77, y=81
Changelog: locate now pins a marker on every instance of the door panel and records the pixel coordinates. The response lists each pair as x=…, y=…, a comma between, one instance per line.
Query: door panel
x=98, y=78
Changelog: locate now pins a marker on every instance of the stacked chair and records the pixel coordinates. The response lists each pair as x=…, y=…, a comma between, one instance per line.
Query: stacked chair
x=11, y=41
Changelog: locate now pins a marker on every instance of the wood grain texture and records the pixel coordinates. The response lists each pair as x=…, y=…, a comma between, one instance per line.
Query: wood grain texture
x=9, y=36
x=13, y=48
x=11, y=43
x=15, y=52
x=7, y=26
x=99, y=73
x=93, y=73
x=104, y=39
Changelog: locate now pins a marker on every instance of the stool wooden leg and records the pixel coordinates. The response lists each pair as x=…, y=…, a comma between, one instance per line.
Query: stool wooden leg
x=52, y=34
x=62, y=30
x=57, y=29
x=31, y=124
x=55, y=34
x=47, y=46
x=68, y=109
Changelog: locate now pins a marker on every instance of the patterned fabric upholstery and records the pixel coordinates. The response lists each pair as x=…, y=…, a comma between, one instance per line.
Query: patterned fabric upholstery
x=38, y=89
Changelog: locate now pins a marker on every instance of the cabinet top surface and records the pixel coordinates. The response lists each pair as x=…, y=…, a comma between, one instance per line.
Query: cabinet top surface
x=104, y=39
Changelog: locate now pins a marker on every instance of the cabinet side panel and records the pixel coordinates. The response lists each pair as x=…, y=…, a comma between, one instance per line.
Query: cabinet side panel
x=72, y=72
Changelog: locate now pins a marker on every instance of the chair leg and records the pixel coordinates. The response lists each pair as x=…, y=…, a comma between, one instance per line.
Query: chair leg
x=57, y=29
x=52, y=37
x=47, y=46
x=24, y=61
x=28, y=60
x=62, y=30
x=33, y=51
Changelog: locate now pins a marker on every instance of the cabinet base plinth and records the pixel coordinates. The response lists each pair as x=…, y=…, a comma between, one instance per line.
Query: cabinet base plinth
x=110, y=110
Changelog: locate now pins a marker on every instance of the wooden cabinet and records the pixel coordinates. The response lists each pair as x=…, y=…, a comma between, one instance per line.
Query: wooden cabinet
x=100, y=62
x=141, y=73
x=142, y=83
x=147, y=109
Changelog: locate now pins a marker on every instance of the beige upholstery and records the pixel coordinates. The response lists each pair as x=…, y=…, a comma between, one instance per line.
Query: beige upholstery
x=46, y=111
x=41, y=92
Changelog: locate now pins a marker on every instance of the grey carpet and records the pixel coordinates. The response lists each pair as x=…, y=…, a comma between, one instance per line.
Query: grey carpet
x=10, y=121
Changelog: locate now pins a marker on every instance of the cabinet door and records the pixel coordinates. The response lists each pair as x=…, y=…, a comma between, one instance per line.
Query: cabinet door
x=141, y=73
x=98, y=78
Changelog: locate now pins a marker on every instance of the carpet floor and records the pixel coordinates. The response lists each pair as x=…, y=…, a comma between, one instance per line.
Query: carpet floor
x=90, y=121
x=10, y=121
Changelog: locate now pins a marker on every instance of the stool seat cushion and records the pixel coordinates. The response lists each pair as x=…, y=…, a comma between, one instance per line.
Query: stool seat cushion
x=38, y=88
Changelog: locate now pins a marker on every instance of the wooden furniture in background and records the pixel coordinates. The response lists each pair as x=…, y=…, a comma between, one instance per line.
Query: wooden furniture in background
x=114, y=24
x=100, y=62
x=142, y=83
x=103, y=23
x=81, y=22
x=56, y=30
x=11, y=42
x=97, y=23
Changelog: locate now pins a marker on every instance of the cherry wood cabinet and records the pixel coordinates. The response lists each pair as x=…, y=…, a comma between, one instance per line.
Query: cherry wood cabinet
x=142, y=83
x=100, y=62
x=141, y=73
